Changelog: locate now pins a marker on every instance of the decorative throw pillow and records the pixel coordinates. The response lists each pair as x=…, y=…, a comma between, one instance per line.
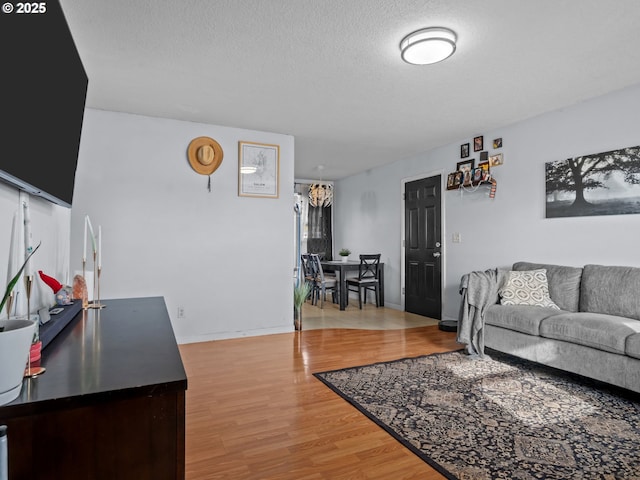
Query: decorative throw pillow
x=529, y=287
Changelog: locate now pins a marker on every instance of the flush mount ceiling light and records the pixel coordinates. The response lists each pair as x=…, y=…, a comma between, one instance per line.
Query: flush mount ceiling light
x=427, y=46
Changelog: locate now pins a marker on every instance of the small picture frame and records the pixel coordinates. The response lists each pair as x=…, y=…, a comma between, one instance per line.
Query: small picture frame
x=464, y=150
x=468, y=176
x=484, y=171
x=465, y=165
x=477, y=174
x=495, y=160
x=484, y=156
x=258, y=170
x=478, y=143
x=457, y=180
x=451, y=179
x=497, y=143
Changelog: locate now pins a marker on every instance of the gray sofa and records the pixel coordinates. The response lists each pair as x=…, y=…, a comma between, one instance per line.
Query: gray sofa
x=594, y=331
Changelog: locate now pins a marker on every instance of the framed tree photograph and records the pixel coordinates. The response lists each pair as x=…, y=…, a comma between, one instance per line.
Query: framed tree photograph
x=478, y=143
x=464, y=150
x=258, y=170
x=603, y=183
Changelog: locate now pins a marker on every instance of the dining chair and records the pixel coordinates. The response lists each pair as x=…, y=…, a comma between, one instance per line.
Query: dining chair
x=321, y=282
x=307, y=273
x=367, y=278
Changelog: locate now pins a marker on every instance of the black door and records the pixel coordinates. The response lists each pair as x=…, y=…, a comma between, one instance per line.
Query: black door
x=423, y=239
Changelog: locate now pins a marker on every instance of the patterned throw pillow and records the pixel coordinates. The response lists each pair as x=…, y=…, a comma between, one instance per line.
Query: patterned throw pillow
x=529, y=287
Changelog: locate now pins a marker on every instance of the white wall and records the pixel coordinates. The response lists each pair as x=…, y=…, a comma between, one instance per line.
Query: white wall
x=225, y=259
x=512, y=227
x=50, y=227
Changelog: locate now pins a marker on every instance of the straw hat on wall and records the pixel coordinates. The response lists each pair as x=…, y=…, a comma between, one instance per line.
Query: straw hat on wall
x=205, y=156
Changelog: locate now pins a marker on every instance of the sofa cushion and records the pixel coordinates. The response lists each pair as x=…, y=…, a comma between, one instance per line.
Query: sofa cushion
x=604, y=332
x=521, y=318
x=527, y=288
x=611, y=290
x=564, y=283
x=633, y=345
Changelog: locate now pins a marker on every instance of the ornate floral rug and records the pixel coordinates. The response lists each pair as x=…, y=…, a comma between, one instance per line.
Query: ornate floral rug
x=499, y=418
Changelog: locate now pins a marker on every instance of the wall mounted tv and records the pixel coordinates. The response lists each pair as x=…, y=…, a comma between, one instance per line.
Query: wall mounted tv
x=44, y=87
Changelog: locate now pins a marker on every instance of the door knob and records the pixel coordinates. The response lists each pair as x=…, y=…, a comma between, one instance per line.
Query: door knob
x=436, y=254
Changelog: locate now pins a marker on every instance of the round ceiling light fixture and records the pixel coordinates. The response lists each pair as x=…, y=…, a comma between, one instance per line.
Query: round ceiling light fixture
x=428, y=45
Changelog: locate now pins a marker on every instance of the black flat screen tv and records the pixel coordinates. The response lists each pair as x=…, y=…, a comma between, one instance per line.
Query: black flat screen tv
x=44, y=88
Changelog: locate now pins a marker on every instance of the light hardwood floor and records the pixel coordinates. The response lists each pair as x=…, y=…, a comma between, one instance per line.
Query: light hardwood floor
x=255, y=411
x=369, y=318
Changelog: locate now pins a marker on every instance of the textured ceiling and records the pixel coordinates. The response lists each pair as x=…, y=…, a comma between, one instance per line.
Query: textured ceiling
x=329, y=71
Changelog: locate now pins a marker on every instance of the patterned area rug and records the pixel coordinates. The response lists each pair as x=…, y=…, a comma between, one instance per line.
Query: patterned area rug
x=500, y=418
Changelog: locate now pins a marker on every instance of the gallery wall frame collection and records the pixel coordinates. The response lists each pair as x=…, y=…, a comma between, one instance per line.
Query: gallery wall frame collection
x=467, y=174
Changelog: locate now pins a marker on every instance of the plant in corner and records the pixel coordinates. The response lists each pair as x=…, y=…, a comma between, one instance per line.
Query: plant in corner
x=300, y=293
x=15, y=342
x=344, y=253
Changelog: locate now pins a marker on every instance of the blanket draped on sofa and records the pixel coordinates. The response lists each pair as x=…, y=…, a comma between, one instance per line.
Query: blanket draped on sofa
x=478, y=290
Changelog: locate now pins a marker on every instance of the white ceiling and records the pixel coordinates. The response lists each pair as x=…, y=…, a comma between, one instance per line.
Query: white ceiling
x=329, y=71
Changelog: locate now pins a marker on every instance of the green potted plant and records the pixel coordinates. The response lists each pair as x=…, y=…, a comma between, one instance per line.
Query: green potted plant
x=300, y=293
x=15, y=341
x=344, y=253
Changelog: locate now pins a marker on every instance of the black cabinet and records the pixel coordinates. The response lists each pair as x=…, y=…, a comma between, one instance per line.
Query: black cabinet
x=111, y=404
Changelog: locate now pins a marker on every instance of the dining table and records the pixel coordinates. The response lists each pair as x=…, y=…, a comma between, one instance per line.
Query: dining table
x=342, y=269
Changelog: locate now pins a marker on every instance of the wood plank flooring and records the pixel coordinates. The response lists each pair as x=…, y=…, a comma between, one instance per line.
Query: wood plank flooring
x=369, y=318
x=255, y=411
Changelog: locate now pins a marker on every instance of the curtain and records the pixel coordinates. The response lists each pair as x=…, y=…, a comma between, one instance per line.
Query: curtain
x=319, y=228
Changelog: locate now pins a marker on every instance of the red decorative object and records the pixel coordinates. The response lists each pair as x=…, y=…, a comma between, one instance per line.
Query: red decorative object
x=36, y=351
x=52, y=282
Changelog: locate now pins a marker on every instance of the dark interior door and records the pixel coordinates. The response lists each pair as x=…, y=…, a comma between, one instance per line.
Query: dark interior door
x=423, y=253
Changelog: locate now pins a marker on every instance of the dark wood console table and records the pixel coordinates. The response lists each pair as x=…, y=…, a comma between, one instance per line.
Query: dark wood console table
x=111, y=404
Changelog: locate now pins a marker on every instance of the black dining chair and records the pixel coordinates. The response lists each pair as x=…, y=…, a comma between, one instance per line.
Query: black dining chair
x=321, y=282
x=367, y=278
x=307, y=274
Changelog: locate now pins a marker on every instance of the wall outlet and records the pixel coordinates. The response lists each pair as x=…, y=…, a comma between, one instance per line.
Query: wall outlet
x=180, y=312
x=456, y=237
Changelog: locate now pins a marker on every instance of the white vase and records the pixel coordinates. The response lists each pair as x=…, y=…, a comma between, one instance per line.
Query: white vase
x=15, y=342
x=345, y=258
